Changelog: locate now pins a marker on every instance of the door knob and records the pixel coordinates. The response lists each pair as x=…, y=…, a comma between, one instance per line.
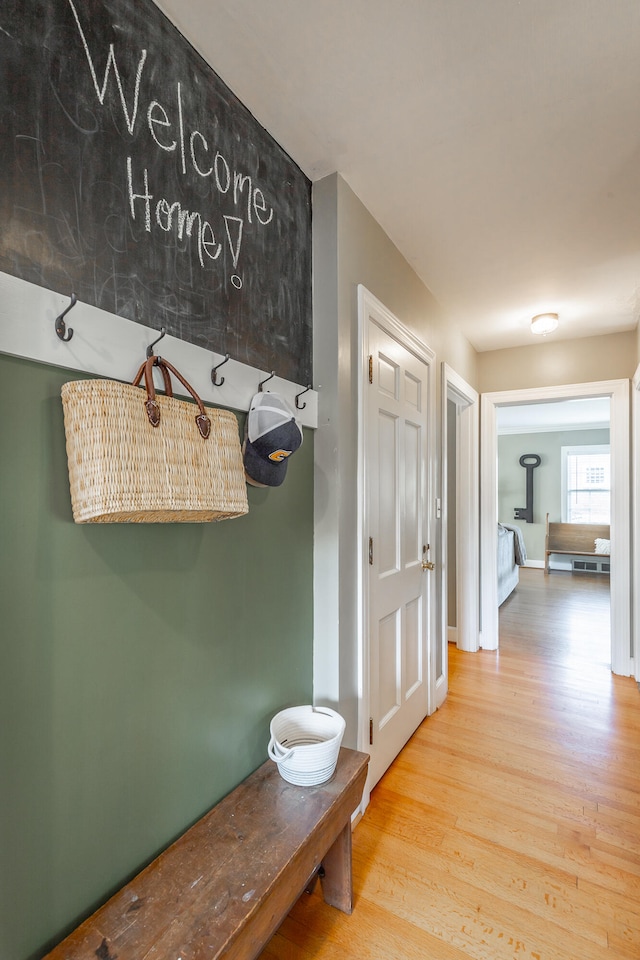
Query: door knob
x=428, y=565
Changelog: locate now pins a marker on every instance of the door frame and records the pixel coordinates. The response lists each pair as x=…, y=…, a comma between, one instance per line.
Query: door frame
x=466, y=399
x=369, y=305
x=618, y=392
x=635, y=513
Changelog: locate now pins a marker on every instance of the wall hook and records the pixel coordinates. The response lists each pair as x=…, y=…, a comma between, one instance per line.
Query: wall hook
x=60, y=326
x=214, y=375
x=301, y=406
x=152, y=345
x=270, y=377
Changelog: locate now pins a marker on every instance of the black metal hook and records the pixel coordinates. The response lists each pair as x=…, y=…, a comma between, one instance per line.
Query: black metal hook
x=262, y=383
x=60, y=326
x=301, y=406
x=214, y=375
x=152, y=345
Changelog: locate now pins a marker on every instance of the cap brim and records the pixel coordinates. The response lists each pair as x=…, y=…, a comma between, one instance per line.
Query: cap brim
x=262, y=471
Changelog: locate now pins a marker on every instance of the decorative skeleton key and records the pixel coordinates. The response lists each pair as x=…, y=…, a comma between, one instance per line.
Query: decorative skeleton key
x=529, y=461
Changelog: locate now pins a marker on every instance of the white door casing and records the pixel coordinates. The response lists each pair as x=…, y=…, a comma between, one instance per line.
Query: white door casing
x=635, y=513
x=618, y=391
x=397, y=608
x=467, y=458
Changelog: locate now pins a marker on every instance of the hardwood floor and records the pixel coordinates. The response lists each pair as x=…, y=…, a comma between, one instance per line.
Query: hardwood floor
x=509, y=826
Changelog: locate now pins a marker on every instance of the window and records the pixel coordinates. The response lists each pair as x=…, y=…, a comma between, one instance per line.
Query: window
x=586, y=484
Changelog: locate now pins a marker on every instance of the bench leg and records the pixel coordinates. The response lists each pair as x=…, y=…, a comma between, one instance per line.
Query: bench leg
x=311, y=886
x=336, y=883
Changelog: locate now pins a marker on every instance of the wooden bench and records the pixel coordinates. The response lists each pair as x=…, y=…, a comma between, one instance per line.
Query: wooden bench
x=573, y=539
x=225, y=886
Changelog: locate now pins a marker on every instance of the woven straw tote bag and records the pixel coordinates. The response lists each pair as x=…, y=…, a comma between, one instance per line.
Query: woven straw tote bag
x=140, y=457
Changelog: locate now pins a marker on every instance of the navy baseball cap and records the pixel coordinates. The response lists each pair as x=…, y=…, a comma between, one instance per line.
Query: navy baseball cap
x=272, y=435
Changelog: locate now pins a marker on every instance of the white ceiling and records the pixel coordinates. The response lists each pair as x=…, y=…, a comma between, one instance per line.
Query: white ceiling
x=497, y=142
x=585, y=413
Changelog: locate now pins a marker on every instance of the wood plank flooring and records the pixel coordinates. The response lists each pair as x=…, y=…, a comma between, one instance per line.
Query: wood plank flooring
x=509, y=826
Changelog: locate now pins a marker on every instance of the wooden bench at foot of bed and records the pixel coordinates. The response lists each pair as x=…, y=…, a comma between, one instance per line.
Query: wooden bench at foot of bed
x=225, y=886
x=573, y=539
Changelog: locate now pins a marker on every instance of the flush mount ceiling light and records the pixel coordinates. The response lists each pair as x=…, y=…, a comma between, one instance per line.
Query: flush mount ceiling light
x=544, y=323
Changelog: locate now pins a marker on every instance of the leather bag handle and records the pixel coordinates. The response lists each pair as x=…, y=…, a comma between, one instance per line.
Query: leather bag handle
x=168, y=389
x=151, y=404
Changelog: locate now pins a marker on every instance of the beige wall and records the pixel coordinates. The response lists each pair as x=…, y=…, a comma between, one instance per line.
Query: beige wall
x=609, y=357
x=350, y=248
x=368, y=256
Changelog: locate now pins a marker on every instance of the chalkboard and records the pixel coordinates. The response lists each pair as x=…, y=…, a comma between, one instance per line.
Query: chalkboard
x=131, y=175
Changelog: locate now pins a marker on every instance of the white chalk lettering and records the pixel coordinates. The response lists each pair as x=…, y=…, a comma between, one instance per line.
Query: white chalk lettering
x=159, y=121
x=168, y=211
x=208, y=241
x=186, y=223
x=239, y=181
x=196, y=133
x=130, y=118
x=171, y=131
x=227, y=173
x=234, y=246
x=146, y=196
x=260, y=206
x=163, y=209
x=185, y=217
x=181, y=124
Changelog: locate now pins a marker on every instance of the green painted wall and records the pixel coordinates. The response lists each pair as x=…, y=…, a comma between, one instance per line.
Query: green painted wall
x=139, y=667
x=547, y=479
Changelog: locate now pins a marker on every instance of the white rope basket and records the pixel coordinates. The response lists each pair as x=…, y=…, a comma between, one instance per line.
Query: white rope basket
x=305, y=742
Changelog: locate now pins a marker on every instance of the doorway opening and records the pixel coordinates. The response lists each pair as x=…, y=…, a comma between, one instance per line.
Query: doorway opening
x=620, y=583
x=564, y=449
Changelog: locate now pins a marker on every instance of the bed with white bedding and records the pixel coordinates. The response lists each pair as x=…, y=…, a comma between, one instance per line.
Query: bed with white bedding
x=511, y=556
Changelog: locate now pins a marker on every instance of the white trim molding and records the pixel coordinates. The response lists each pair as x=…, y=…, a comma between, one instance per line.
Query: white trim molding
x=457, y=390
x=112, y=346
x=635, y=515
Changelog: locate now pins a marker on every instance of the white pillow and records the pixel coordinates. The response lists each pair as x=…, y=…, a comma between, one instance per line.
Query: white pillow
x=602, y=546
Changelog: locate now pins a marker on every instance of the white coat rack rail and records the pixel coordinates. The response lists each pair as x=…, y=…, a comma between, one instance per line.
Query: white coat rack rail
x=35, y=325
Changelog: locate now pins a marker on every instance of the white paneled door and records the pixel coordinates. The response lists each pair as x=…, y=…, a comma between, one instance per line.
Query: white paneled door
x=398, y=566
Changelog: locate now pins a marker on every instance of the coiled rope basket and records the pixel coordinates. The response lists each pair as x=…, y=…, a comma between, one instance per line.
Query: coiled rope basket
x=305, y=742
